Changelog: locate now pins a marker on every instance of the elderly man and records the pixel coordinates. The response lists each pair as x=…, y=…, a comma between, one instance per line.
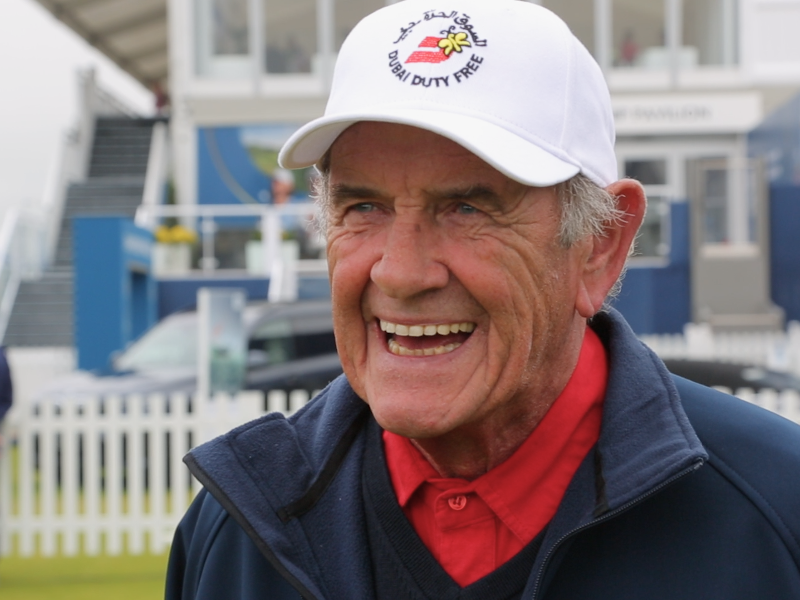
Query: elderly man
x=498, y=433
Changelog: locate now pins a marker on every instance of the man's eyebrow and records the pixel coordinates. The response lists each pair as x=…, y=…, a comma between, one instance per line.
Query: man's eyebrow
x=339, y=192
x=466, y=194
x=342, y=192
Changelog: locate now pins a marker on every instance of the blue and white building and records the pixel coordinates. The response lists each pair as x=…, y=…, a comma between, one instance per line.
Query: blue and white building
x=704, y=95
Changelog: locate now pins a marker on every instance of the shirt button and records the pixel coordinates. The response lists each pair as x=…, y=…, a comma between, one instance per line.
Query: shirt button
x=457, y=502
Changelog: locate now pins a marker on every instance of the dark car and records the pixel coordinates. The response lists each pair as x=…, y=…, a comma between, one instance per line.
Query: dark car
x=290, y=346
x=732, y=375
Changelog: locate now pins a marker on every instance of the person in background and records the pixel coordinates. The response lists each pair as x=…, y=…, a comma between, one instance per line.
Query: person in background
x=629, y=50
x=6, y=396
x=295, y=226
x=283, y=185
x=6, y=391
x=161, y=99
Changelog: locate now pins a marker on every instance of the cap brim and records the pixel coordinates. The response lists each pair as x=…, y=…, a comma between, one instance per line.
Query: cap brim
x=510, y=154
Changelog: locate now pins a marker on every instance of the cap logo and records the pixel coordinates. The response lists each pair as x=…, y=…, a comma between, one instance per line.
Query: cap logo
x=447, y=40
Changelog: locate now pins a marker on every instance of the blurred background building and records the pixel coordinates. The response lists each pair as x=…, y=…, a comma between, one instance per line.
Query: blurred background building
x=707, y=114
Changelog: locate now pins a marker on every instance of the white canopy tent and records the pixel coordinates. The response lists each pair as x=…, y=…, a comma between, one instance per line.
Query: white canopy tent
x=131, y=33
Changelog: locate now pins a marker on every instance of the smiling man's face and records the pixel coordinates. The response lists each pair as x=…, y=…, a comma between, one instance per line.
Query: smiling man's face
x=455, y=305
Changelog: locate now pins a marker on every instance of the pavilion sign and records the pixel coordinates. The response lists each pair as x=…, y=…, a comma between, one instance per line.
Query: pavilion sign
x=685, y=113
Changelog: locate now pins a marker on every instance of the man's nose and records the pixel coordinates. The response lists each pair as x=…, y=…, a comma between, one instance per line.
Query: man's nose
x=408, y=264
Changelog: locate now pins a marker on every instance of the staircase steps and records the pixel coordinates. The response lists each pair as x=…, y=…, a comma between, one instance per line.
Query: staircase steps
x=121, y=147
x=43, y=313
x=118, y=196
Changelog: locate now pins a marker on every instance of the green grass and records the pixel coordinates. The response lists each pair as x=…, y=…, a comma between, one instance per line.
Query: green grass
x=83, y=578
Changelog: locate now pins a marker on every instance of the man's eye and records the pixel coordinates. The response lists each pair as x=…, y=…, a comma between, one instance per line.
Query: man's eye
x=466, y=209
x=363, y=207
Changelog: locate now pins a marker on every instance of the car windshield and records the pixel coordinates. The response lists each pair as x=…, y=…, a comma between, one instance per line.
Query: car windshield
x=172, y=343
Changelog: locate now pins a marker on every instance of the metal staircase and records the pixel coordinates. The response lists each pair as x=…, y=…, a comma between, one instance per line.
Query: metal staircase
x=43, y=310
x=107, y=195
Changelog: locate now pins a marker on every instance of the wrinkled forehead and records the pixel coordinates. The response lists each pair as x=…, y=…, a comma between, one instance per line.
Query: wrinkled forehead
x=391, y=161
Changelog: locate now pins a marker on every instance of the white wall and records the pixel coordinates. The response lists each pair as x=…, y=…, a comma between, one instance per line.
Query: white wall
x=39, y=58
x=770, y=40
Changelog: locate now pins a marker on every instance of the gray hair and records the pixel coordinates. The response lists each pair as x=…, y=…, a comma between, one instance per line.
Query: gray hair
x=586, y=209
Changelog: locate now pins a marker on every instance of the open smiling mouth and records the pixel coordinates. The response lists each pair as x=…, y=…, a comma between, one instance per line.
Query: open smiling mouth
x=425, y=340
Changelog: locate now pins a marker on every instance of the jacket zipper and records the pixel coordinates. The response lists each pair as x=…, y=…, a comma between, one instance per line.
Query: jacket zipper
x=609, y=515
x=224, y=501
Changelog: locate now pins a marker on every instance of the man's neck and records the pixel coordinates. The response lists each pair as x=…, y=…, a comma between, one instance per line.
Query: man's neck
x=473, y=450
x=470, y=456
x=475, y=447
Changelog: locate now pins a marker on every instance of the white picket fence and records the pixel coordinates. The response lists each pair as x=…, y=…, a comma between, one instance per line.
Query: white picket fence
x=105, y=475
x=785, y=403
x=779, y=350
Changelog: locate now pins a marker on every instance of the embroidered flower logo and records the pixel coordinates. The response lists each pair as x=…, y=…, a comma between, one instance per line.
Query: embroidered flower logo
x=454, y=42
x=445, y=44
x=437, y=49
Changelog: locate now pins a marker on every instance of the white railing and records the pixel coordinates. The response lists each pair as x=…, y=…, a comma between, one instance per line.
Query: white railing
x=74, y=153
x=157, y=166
x=22, y=256
x=9, y=271
x=106, y=104
x=279, y=259
x=785, y=403
x=779, y=350
x=106, y=475
x=94, y=102
x=67, y=168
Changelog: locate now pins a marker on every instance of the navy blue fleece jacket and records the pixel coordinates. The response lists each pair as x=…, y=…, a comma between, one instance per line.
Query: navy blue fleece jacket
x=688, y=494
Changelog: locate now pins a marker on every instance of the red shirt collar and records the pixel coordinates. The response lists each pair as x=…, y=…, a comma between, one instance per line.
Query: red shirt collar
x=549, y=457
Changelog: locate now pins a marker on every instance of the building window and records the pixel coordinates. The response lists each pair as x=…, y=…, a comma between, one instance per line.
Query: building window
x=653, y=238
x=664, y=34
x=639, y=34
x=579, y=15
x=647, y=172
x=726, y=199
x=349, y=12
x=229, y=27
x=222, y=38
x=709, y=32
x=297, y=37
x=290, y=36
x=715, y=206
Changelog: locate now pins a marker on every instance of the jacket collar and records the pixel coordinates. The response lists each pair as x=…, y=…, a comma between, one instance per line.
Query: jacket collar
x=645, y=438
x=271, y=474
x=646, y=442
x=282, y=480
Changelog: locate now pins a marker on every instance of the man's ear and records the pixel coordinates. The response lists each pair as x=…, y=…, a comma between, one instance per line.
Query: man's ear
x=609, y=252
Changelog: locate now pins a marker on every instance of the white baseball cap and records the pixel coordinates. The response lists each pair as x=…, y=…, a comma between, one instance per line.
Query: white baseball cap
x=505, y=79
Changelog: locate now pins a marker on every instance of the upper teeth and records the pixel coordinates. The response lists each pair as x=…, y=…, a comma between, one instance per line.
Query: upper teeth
x=420, y=330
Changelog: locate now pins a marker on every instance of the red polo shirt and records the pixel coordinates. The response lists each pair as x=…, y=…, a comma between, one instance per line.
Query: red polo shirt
x=473, y=527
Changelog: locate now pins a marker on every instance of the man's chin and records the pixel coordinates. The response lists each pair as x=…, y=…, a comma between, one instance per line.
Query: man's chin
x=414, y=431
x=422, y=420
